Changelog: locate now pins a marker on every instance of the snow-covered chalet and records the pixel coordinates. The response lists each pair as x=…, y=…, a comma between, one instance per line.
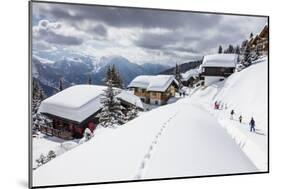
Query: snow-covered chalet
x=154, y=89
x=216, y=67
x=76, y=108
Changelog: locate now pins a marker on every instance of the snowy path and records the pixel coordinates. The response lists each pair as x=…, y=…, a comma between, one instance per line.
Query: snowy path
x=169, y=141
x=151, y=147
x=197, y=147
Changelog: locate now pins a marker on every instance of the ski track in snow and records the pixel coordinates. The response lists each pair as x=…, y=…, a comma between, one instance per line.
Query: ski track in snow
x=147, y=156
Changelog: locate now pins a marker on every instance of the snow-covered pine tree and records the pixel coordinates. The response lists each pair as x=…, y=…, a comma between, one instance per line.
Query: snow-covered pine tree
x=220, y=49
x=89, y=80
x=111, y=113
x=177, y=75
x=60, y=85
x=37, y=118
x=230, y=49
x=37, y=97
x=251, y=35
x=118, y=80
x=132, y=112
x=247, y=60
x=237, y=51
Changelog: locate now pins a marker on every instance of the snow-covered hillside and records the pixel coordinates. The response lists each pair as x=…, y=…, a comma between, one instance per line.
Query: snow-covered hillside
x=245, y=92
x=186, y=138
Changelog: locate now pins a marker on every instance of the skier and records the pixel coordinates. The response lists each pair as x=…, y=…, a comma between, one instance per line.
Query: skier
x=252, y=125
x=240, y=118
x=231, y=114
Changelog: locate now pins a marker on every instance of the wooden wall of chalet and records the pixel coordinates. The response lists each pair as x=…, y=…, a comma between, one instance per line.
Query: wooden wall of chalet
x=217, y=71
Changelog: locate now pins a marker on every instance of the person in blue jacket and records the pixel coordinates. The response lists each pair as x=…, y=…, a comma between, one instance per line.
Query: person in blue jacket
x=252, y=125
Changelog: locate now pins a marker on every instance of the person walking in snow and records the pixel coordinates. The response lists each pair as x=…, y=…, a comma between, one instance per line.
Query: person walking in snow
x=240, y=118
x=221, y=106
x=232, y=114
x=252, y=125
x=215, y=105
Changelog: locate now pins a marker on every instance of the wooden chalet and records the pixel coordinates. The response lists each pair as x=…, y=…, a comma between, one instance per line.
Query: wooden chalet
x=190, y=77
x=217, y=67
x=72, y=111
x=154, y=89
x=260, y=42
x=76, y=108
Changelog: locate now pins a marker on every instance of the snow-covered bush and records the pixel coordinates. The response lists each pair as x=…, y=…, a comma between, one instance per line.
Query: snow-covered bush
x=88, y=134
x=41, y=160
x=51, y=155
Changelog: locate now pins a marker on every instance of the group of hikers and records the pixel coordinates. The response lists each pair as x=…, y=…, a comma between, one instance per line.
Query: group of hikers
x=220, y=106
x=182, y=93
x=252, y=123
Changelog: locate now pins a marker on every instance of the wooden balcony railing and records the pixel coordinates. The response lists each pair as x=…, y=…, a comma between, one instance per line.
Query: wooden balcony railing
x=56, y=132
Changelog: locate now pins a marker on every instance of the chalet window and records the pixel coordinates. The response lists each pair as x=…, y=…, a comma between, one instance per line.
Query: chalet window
x=222, y=69
x=143, y=90
x=156, y=102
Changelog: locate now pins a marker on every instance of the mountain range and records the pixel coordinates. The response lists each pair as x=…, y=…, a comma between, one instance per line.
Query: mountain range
x=78, y=69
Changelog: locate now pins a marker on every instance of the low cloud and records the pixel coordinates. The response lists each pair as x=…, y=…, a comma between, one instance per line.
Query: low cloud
x=141, y=34
x=54, y=33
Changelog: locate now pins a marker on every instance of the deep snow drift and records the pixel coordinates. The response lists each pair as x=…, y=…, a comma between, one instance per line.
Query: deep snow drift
x=246, y=92
x=186, y=138
x=137, y=149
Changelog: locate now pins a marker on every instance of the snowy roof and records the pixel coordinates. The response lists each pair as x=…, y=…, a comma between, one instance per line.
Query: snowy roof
x=189, y=74
x=153, y=83
x=219, y=60
x=75, y=103
x=130, y=98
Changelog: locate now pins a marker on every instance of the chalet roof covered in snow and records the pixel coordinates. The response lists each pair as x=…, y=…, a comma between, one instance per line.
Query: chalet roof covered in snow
x=153, y=83
x=75, y=103
x=219, y=60
x=190, y=73
x=130, y=98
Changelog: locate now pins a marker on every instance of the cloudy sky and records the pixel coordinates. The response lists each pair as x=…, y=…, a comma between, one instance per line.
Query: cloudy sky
x=140, y=35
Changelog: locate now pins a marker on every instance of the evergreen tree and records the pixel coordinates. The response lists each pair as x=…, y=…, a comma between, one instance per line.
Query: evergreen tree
x=220, y=49
x=237, y=50
x=119, y=81
x=89, y=80
x=177, y=74
x=37, y=118
x=251, y=35
x=61, y=85
x=230, y=49
x=247, y=60
x=37, y=98
x=132, y=112
x=111, y=113
x=243, y=46
x=113, y=75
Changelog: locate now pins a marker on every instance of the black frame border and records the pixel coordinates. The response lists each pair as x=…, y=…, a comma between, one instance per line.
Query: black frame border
x=30, y=146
